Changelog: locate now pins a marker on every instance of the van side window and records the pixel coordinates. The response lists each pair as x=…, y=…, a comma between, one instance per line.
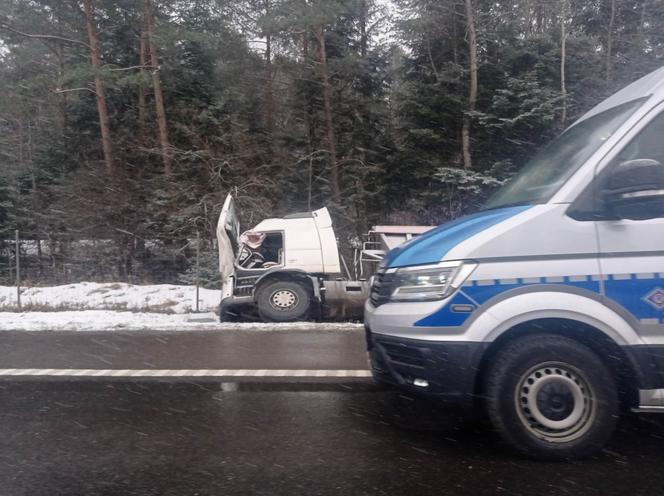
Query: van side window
x=649, y=144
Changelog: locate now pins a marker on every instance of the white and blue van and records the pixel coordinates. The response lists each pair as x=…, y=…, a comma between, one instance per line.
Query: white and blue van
x=547, y=306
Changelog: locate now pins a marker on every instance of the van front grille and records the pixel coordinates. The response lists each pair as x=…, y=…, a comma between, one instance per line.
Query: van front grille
x=402, y=353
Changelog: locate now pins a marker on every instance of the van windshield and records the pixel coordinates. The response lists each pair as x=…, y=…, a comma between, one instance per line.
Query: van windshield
x=554, y=164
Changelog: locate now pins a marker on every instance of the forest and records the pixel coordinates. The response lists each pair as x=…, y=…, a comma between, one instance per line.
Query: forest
x=124, y=123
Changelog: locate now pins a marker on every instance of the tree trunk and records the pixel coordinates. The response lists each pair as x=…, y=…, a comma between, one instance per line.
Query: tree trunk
x=329, y=121
x=563, y=43
x=269, y=81
x=363, y=16
x=365, y=85
x=64, y=121
x=642, y=24
x=142, y=106
x=472, y=97
x=529, y=18
x=269, y=91
x=609, y=42
x=160, y=111
x=104, y=123
x=309, y=111
x=455, y=40
x=539, y=17
x=309, y=120
x=31, y=165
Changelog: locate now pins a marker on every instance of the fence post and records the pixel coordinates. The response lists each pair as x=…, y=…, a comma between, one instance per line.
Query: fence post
x=10, y=262
x=198, y=267
x=18, y=271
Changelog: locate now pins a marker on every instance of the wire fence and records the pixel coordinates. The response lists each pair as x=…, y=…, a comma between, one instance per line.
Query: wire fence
x=34, y=259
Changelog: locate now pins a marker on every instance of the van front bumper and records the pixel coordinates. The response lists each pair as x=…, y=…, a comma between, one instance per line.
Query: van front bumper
x=446, y=371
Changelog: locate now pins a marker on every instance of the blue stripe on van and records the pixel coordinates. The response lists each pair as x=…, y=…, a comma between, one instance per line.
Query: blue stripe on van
x=481, y=293
x=432, y=246
x=637, y=295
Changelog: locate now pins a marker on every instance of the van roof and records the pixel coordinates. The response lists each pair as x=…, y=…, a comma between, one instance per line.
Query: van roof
x=650, y=84
x=401, y=229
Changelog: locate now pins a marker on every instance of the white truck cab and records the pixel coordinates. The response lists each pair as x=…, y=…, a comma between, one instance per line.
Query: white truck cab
x=287, y=268
x=546, y=307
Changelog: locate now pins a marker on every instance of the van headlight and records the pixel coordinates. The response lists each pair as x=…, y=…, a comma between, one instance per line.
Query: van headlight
x=430, y=282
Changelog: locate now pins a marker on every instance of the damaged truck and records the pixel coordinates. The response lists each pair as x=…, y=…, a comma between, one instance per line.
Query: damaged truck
x=288, y=269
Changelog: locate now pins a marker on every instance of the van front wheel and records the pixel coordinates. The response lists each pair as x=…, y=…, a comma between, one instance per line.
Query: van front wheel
x=551, y=397
x=283, y=301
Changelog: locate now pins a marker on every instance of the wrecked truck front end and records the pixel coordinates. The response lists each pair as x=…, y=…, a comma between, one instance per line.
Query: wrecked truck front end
x=283, y=268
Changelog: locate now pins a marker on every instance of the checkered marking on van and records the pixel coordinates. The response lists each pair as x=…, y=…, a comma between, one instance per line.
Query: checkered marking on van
x=656, y=298
x=565, y=280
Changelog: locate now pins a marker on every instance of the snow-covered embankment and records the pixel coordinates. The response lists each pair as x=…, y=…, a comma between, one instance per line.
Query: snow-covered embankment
x=158, y=298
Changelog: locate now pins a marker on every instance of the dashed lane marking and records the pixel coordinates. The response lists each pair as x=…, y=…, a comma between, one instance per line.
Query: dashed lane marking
x=300, y=373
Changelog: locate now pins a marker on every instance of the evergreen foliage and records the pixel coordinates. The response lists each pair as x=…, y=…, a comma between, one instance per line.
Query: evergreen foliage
x=246, y=112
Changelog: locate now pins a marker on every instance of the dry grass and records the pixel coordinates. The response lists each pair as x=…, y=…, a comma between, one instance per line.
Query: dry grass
x=164, y=308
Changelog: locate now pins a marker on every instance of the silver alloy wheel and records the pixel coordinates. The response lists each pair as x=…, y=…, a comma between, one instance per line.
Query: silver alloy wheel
x=283, y=300
x=555, y=402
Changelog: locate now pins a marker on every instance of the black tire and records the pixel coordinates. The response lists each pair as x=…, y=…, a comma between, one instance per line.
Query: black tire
x=556, y=381
x=283, y=301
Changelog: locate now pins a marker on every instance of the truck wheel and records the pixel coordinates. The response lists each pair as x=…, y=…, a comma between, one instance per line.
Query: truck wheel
x=550, y=397
x=283, y=301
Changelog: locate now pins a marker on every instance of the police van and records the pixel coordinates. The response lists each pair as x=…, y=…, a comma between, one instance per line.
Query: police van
x=545, y=308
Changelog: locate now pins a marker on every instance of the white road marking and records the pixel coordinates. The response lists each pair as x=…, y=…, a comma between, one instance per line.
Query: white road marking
x=183, y=373
x=199, y=373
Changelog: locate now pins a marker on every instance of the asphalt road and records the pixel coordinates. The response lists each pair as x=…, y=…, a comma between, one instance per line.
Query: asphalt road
x=183, y=350
x=92, y=438
x=119, y=437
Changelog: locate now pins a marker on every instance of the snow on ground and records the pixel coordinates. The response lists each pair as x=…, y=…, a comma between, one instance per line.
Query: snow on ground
x=165, y=298
x=105, y=320
x=88, y=306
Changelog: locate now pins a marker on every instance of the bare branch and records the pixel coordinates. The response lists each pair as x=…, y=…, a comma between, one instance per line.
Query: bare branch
x=44, y=36
x=122, y=231
x=58, y=91
x=117, y=69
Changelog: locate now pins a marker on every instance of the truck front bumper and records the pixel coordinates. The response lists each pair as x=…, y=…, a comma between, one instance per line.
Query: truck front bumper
x=230, y=304
x=444, y=370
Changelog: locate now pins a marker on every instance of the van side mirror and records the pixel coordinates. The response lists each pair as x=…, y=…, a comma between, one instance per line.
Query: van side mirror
x=635, y=190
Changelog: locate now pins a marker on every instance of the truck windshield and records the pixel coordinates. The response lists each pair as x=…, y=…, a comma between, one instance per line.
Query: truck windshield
x=552, y=166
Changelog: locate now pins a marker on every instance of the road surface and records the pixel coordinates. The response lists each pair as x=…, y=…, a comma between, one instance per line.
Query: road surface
x=183, y=354
x=120, y=436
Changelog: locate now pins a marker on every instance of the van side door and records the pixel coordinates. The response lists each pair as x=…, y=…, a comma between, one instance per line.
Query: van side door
x=629, y=193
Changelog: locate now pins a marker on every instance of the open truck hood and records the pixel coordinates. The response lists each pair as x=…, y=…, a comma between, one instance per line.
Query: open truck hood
x=228, y=235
